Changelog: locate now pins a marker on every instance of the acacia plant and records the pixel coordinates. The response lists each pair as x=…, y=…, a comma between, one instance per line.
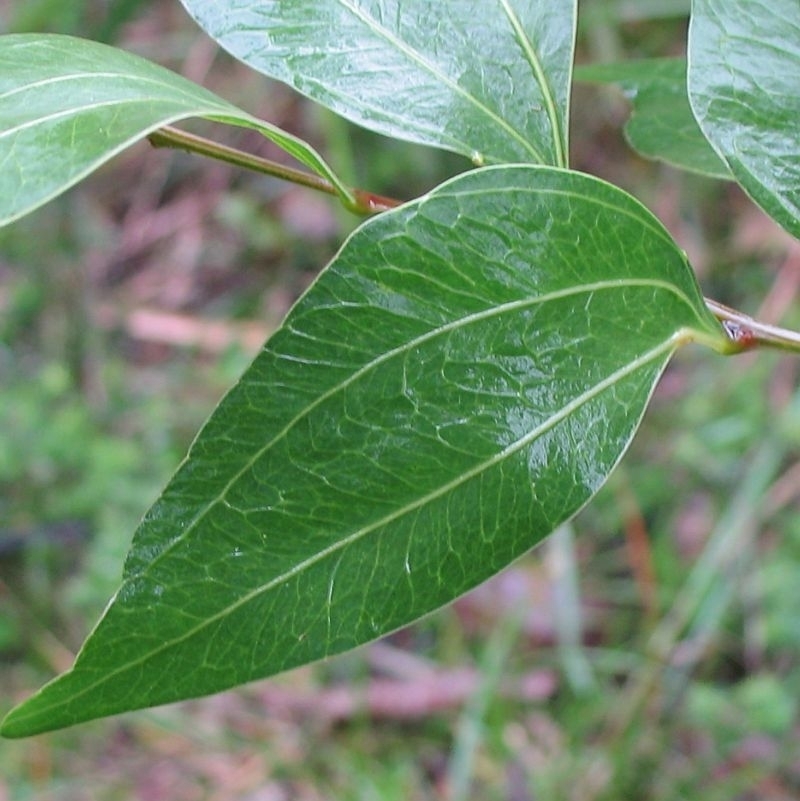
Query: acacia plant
x=465, y=373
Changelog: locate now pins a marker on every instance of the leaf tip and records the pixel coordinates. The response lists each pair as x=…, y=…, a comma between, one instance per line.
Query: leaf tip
x=11, y=727
x=43, y=711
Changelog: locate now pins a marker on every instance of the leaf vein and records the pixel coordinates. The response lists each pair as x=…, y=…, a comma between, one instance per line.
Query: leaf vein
x=386, y=356
x=539, y=74
x=83, y=109
x=654, y=353
x=417, y=58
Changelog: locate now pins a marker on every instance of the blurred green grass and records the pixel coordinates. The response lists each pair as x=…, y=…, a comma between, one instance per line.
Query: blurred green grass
x=649, y=651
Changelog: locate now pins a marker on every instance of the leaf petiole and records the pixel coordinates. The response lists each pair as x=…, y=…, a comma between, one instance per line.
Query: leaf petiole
x=363, y=202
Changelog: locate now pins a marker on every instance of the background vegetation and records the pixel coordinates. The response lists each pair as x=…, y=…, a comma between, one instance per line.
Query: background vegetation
x=647, y=651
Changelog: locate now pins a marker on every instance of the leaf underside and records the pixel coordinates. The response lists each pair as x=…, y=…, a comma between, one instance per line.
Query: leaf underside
x=68, y=105
x=490, y=81
x=744, y=61
x=457, y=383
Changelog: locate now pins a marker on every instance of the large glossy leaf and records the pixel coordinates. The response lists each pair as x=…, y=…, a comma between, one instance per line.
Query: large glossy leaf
x=744, y=62
x=457, y=383
x=490, y=80
x=662, y=125
x=68, y=105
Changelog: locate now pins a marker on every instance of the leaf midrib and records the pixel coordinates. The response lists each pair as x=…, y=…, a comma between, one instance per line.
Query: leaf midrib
x=540, y=76
x=68, y=113
x=405, y=347
x=190, y=102
x=662, y=349
x=128, y=77
x=426, y=65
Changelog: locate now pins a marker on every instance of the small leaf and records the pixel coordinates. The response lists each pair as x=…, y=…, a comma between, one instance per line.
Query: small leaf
x=489, y=80
x=68, y=105
x=744, y=63
x=661, y=125
x=457, y=383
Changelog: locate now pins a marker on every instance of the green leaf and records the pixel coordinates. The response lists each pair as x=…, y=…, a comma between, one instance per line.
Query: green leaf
x=744, y=62
x=68, y=105
x=661, y=125
x=457, y=383
x=488, y=80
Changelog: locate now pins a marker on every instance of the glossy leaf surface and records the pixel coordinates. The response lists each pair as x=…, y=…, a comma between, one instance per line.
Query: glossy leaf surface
x=457, y=383
x=490, y=80
x=68, y=105
x=744, y=62
x=662, y=125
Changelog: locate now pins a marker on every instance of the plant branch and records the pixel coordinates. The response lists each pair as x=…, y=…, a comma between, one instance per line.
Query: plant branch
x=365, y=202
x=745, y=333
